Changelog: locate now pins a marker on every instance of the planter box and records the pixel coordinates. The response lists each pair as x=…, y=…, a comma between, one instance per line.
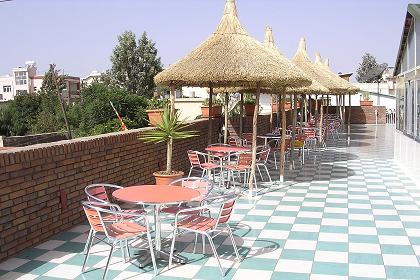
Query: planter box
x=366, y=102
x=249, y=109
x=287, y=106
x=216, y=111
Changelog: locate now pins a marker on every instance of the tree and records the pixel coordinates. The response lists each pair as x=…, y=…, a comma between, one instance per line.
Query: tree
x=52, y=115
x=94, y=115
x=134, y=65
x=369, y=70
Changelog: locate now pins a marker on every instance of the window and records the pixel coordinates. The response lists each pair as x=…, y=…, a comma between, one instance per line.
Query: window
x=1, y=96
x=7, y=88
x=21, y=92
x=20, y=78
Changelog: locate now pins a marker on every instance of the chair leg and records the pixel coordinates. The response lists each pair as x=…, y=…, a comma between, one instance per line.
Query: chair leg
x=259, y=171
x=107, y=262
x=87, y=241
x=89, y=245
x=195, y=242
x=152, y=253
x=238, y=258
x=203, y=239
x=268, y=173
x=189, y=173
x=215, y=254
x=171, y=253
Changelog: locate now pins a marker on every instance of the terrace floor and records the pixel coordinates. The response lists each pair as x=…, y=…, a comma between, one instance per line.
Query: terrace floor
x=349, y=213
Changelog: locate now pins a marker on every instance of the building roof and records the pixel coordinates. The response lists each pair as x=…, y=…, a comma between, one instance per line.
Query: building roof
x=413, y=10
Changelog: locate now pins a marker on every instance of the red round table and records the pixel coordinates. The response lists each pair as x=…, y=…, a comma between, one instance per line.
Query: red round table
x=157, y=195
x=227, y=149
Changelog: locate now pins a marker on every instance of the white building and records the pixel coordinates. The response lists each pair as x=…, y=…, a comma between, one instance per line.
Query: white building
x=24, y=80
x=20, y=82
x=94, y=76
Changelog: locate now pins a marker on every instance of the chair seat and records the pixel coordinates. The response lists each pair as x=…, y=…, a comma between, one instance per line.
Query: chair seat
x=197, y=223
x=175, y=209
x=125, y=229
x=209, y=165
x=110, y=217
x=239, y=167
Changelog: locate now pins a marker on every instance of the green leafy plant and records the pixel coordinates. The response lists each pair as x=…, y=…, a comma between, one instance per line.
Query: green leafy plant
x=171, y=128
x=366, y=96
x=215, y=102
x=249, y=99
x=156, y=103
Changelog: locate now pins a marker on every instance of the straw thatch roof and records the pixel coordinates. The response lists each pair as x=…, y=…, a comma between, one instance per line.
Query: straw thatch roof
x=349, y=87
x=230, y=57
x=315, y=87
x=302, y=60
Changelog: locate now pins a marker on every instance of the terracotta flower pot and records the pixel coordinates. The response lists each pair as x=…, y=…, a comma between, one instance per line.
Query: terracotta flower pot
x=366, y=102
x=274, y=107
x=165, y=179
x=249, y=109
x=216, y=111
x=155, y=116
x=288, y=106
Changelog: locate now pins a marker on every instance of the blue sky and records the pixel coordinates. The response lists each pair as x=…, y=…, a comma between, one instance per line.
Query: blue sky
x=79, y=35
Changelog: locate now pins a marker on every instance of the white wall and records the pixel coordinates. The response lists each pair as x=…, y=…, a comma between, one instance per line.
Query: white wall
x=6, y=81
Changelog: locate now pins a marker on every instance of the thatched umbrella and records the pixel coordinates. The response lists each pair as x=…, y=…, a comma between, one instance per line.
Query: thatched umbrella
x=314, y=87
x=232, y=58
x=347, y=86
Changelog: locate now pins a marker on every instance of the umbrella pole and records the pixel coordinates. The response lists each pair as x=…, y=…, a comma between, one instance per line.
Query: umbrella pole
x=349, y=119
x=278, y=110
x=316, y=106
x=321, y=120
x=271, y=113
x=226, y=117
x=172, y=99
x=210, y=115
x=327, y=124
x=254, y=141
x=283, y=136
x=305, y=109
x=310, y=106
x=241, y=115
x=294, y=117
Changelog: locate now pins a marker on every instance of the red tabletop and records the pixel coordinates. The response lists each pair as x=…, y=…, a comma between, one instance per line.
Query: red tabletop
x=227, y=149
x=156, y=194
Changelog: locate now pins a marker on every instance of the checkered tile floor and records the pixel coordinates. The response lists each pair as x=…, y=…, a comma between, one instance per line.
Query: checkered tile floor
x=348, y=213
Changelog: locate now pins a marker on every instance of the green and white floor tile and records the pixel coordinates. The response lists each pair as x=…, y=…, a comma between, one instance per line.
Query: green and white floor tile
x=348, y=213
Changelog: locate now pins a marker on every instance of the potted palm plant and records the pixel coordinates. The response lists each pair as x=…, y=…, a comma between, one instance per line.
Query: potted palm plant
x=249, y=104
x=216, y=108
x=169, y=129
x=366, y=99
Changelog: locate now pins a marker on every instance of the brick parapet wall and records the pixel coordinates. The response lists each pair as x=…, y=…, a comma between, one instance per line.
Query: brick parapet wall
x=41, y=186
x=363, y=114
x=20, y=141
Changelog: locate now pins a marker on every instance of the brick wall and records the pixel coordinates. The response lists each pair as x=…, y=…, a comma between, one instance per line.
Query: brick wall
x=20, y=141
x=363, y=114
x=41, y=186
x=263, y=125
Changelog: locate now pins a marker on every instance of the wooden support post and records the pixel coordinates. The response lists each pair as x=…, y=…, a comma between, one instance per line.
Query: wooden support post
x=283, y=135
x=254, y=141
x=278, y=110
x=210, y=115
x=294, y=117
x=349, y=117
x=271, y=112
x=321, y=120
x=241, y=115
x=226, y=118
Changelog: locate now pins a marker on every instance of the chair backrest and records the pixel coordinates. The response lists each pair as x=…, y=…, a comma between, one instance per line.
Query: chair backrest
x=263, y=154
x=99, y=192
x=93, y=216
x=234, y=141
x=202, y=185
x=194, y=158
x=226, y=209
x=245, y=158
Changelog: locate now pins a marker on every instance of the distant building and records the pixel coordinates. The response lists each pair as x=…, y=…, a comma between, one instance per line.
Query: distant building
x=94, y=76
x=24, y=80
x=407, y=71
